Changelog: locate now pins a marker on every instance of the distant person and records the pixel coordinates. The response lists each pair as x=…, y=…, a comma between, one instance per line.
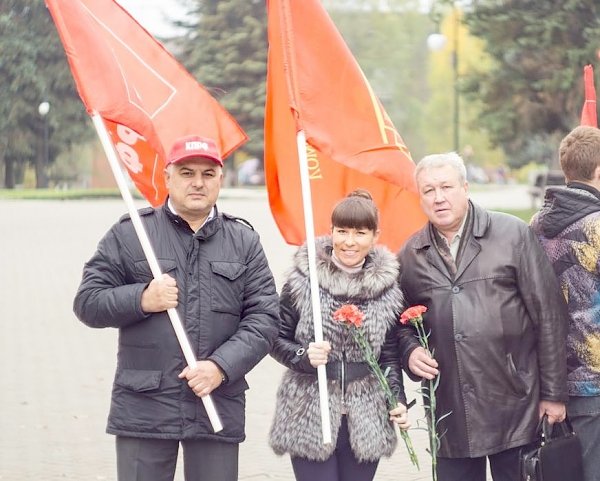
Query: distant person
x=497, y=322
x=351, y=269
x=249, y=172
x=568, y=226
x=217, y=277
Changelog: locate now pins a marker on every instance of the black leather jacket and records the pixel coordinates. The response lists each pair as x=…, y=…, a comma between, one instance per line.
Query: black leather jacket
x=498, y=329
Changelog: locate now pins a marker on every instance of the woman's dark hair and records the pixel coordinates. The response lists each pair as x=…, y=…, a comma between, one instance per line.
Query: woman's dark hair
x=356, y=211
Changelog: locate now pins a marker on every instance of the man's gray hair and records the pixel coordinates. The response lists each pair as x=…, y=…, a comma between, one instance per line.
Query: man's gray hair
x=440, y=160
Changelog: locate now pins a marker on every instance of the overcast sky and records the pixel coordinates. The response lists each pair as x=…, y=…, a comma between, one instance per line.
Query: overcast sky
x=153, y=15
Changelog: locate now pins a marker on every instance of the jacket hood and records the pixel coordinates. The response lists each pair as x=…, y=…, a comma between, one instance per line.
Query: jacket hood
x=563, y=207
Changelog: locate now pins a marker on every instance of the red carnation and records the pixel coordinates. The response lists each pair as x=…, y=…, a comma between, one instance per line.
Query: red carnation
x=349, y=314
x=413, y=314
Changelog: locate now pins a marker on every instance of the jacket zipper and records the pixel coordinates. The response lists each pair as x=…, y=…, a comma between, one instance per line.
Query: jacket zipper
x=343, y=379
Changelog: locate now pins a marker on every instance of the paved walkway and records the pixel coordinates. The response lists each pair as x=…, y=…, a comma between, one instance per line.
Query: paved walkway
x=57, y=373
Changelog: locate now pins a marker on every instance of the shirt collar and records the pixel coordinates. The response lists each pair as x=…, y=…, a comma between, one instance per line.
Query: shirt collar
x=210, y=216
x=458, y=234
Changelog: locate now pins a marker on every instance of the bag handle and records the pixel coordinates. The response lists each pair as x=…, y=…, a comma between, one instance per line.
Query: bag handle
x=549, y=432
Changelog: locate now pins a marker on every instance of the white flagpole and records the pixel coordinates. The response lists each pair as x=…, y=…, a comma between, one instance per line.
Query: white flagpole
x=314, y=284
x=151, y=257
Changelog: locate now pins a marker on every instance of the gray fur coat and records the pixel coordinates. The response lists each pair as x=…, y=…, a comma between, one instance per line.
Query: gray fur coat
x=296, y=427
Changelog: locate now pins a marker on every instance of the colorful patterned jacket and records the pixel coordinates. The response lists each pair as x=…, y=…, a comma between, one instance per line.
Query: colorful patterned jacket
x=568, y=226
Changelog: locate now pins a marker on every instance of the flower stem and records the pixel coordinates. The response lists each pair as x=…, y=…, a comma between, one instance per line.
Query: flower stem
x=433, y=437
x=390, y=397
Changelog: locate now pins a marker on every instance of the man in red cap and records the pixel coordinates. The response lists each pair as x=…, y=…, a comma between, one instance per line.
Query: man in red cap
x=216, y=275
x=194, y=175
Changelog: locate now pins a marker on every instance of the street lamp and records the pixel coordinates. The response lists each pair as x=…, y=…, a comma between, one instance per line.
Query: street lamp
x=436, y=42
x=43, y=110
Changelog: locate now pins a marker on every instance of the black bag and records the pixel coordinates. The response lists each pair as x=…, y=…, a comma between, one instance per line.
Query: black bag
x=554, y=456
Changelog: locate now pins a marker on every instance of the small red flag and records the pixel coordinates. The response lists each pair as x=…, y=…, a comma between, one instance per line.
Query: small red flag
x=314, y=84
x=146, y=98
x=589, y=114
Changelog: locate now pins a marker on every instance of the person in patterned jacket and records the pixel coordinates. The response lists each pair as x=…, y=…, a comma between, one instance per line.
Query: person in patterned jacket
x=568, y=227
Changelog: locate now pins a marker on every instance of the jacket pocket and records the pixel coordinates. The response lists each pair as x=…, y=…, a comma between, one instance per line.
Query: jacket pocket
x=227, y=286
x=137, y=380
x=144, y=274
x=516, y=381
x=230, y=403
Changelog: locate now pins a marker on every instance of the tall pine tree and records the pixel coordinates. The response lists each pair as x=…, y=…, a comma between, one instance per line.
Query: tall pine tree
x=225, y=48
x=33, y=68
x=533, y=93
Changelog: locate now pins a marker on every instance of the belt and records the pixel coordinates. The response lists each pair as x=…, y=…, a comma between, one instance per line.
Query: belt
x=351, y=371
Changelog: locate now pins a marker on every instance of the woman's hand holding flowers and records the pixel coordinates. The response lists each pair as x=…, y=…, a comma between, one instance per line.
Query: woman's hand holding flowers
x=399, y=415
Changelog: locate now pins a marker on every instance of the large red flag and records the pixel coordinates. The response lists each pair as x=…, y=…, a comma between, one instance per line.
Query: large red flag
x=314, y=84
x=589, y=115
x=145, y=96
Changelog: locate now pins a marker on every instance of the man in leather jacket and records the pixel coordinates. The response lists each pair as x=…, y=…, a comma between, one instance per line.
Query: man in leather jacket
x=217, y=277
x=497, y=322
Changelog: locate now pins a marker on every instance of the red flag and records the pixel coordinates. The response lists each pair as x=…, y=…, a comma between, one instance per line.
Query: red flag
x=589, y=113
x=145, y=96
x=314, y=84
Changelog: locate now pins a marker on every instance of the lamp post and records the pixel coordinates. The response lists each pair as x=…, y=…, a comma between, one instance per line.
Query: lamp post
x=43, y=110
x=436, y=42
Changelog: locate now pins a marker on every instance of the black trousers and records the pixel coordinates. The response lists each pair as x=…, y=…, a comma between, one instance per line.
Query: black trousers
x=340, y=466
x=140, y=459
x=504, y=466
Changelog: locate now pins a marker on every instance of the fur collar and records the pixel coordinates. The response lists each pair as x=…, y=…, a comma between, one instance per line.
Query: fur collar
x=378, y=274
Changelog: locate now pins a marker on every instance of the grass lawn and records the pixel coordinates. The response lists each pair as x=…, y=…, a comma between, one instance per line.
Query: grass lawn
x=524, y=214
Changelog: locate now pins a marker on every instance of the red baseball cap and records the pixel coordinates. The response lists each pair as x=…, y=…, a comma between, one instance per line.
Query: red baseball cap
x=194, y=146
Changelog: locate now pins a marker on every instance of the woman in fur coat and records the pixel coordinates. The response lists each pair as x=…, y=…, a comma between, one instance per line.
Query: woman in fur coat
x=351, y=269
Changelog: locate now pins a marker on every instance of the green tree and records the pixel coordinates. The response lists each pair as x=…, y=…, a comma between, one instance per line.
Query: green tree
x=444, y=125
x=34, y=69
x=533, y=93
x=225, y=48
